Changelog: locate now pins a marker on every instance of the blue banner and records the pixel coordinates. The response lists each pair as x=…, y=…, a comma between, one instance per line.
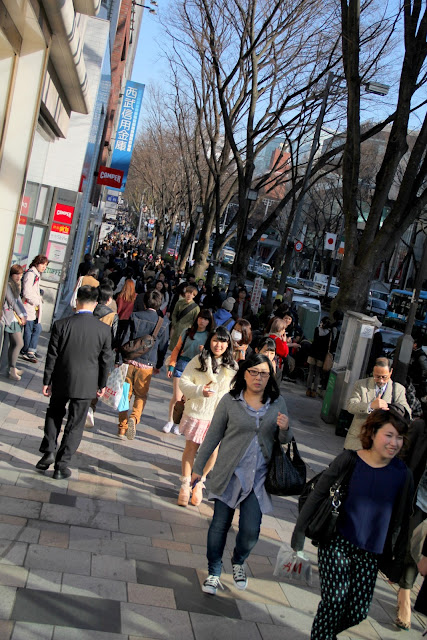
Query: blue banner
x=126, y=129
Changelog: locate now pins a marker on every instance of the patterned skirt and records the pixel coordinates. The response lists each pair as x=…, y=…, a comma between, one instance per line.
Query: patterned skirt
x=193, y=429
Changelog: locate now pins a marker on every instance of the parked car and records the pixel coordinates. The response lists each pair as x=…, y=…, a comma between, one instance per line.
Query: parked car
x=376, y=307
x=381, y=295
x=333, y=291
x=390, y=337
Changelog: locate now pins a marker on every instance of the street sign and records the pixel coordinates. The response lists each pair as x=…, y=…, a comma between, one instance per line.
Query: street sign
x=256, y=294
x=298, y=246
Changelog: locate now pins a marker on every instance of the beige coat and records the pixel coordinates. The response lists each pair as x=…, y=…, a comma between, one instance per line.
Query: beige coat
x=192, y=382
x=363, y=394
x=31, y=296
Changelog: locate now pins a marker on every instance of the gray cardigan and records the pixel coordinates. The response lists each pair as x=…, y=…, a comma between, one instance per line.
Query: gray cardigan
x=234, y=429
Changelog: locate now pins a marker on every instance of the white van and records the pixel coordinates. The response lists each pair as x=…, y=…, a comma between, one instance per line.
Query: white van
x=311, y=303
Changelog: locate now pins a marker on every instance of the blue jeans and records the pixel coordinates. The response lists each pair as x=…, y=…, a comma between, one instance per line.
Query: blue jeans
x=247, y=537
x=32, y=331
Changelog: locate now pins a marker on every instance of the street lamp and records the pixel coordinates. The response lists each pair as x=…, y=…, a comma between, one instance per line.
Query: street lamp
x=144, y=6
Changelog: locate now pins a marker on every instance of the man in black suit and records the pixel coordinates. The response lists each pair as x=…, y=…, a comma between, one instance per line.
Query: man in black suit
x=78, y=362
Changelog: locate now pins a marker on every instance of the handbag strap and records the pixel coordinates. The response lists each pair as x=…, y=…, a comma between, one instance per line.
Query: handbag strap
x=157, y=327
x=182, y=347
x=344, y=478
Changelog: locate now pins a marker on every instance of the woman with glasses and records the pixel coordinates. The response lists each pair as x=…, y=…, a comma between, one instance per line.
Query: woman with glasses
x=245, y=423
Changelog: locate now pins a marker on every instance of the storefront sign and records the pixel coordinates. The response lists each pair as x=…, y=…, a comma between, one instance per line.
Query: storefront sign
x=56, y=252
x=63, y=213
x=53, y=272
x=25, y=206
x=126, y=130
x=21, y=225
x=59, y=233
x=110, y=177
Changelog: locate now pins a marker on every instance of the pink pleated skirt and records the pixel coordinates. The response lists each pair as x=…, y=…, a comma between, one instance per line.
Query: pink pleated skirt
x=193, y=429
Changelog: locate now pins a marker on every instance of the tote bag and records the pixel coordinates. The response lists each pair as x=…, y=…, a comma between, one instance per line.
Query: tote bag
x=114, y=386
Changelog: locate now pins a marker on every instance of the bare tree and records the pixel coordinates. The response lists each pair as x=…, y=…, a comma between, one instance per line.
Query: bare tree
x=365, y=250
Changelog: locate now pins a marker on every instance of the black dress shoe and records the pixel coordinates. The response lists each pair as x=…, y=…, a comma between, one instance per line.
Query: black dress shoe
x=45, y=462
x=61, y=474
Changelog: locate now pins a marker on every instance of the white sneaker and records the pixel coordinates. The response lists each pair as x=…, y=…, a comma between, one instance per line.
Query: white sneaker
x=211, y=585
x=90, y=421
x=168, y=427
x=175, y=429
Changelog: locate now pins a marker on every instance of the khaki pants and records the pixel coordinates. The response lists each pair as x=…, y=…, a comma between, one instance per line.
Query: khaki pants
x=139, y=384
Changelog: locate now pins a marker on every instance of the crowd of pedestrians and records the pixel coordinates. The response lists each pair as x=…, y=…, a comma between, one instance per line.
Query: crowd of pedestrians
x=226, y=364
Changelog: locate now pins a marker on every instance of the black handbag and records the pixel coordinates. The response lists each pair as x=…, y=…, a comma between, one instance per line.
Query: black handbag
x=322, y=526
x=286, y=473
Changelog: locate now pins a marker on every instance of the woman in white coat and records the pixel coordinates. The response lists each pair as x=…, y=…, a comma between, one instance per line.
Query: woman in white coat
x=206, y=379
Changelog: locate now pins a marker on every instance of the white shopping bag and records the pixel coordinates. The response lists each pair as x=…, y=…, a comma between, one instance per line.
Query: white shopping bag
x=114, y=387
x=292, y=565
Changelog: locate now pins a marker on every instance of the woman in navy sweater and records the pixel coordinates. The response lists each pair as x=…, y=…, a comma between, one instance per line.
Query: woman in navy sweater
x=372, y=525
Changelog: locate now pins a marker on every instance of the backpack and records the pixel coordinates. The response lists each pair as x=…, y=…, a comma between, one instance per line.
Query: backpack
x=140, y=346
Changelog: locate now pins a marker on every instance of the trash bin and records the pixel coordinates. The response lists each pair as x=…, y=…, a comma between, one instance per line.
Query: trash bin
x=330, y=405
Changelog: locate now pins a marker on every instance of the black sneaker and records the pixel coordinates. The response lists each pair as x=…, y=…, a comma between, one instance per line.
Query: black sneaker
x=29, y=357
x=239, y=577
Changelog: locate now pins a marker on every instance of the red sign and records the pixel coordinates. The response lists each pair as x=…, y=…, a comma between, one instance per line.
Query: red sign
x=61, y=228
x=110, y=177
x=63, y=213
x=25, y=206
x=298, y=246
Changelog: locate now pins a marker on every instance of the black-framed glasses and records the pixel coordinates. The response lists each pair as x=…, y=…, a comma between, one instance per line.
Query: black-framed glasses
x=254, y=373
x=386, y=377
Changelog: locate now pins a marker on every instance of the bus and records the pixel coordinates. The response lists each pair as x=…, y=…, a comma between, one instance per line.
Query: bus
x=398, y=308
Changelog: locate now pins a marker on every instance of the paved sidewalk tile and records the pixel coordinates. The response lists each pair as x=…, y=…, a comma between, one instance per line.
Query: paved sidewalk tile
x=113, y=568
x=80, y=612
x=19, y=507
x=12, y=552
x=72, y=515
x=6, y=627
x=65, y=633
x=51, y=538
x=94, y=587
x=156, y=622
x=44, y=580
x=141, y=526
x=13, y=576
x=7, y=601
x=211, y=627
x=54, y=559
x=31, y=631
x=149, y=595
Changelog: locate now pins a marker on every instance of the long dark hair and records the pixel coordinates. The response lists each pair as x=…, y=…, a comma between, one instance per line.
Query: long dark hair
x=203, y=313
x=223, y=335
x=238, y=384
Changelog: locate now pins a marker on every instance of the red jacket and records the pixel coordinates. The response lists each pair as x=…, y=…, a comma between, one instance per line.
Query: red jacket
x=282, y=348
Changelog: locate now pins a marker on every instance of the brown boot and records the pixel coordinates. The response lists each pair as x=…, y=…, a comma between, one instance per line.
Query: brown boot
x=121, y=433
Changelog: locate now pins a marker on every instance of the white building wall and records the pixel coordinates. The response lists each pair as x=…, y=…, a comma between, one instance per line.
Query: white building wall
x=65, y=158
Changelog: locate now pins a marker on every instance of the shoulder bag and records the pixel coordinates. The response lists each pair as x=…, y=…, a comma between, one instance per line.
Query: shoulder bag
x=140, y=346
x=322, y=525
x=286, y=473
x=329, y=358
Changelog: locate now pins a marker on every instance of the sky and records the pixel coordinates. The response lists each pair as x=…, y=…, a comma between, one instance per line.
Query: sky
x=147, y=66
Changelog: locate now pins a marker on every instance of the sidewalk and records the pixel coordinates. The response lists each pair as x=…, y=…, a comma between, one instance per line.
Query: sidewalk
x=108, y=555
